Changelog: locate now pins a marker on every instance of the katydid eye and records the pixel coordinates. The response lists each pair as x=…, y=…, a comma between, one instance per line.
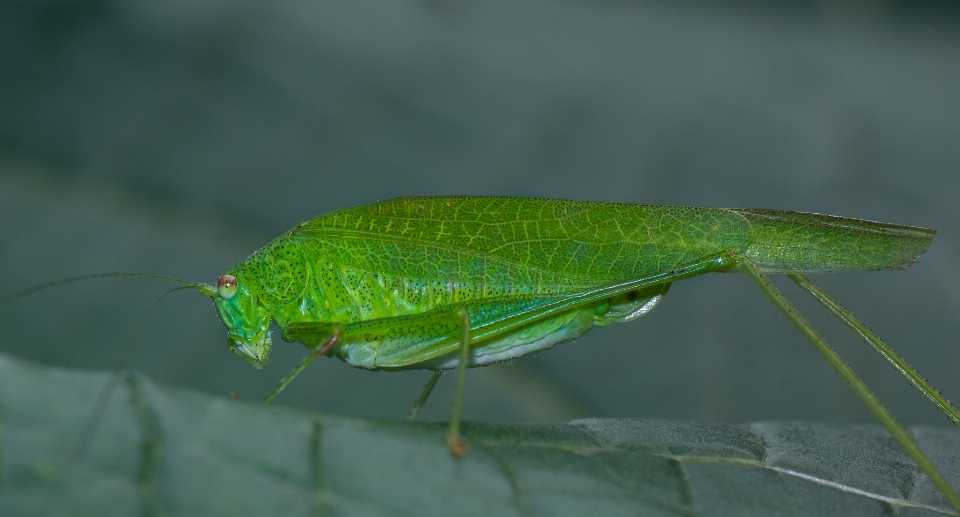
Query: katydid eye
x=227, y=286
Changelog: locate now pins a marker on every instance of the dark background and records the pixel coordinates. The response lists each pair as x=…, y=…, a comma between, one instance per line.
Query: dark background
x=178, y=137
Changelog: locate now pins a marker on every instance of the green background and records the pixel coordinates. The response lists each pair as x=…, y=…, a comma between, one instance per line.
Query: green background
x=177, y=138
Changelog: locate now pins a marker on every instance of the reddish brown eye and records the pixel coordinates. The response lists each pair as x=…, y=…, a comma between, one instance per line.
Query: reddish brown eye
x=227, y=286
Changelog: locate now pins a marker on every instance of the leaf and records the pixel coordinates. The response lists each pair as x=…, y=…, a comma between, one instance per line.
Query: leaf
x=165, y=451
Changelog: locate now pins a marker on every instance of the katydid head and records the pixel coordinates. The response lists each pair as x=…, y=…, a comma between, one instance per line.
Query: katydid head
x=248, y=292
x=247, y=321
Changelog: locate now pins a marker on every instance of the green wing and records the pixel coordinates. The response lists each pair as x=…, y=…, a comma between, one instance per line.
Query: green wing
x=520, y=241
x=800, y=242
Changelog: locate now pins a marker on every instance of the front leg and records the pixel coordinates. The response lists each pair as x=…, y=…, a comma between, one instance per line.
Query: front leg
x=411, y=338
x=320, y=338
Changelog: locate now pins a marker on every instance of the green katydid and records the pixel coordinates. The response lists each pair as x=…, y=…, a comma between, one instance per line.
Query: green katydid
x=457, y=282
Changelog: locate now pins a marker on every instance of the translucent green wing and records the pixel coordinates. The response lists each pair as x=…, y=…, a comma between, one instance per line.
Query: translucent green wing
x=537, y=242
x=800, y=242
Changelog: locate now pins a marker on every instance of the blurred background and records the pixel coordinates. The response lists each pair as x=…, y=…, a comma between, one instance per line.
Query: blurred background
x=178, y=137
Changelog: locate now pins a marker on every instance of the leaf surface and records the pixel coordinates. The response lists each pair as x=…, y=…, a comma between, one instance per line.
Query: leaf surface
x=166, y=451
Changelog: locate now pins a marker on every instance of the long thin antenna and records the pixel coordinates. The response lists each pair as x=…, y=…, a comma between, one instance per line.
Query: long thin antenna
x=40, y=287
x=103, y=400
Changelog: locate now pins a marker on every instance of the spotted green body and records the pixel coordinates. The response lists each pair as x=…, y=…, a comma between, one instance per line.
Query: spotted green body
x=383, y=269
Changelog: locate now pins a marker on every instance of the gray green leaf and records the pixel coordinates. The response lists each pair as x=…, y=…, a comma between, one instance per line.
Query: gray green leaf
x=165, y=451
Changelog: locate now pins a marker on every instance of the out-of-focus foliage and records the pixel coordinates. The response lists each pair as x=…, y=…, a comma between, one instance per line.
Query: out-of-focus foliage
x=176, y=138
